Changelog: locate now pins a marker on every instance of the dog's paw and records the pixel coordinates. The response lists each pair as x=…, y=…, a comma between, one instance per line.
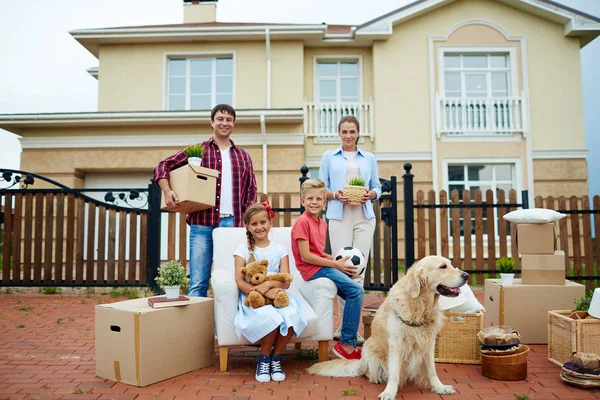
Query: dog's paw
x=443, y=389
x=387, y=395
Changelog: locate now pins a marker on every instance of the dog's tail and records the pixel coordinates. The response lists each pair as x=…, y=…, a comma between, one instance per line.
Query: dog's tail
x=339, y=368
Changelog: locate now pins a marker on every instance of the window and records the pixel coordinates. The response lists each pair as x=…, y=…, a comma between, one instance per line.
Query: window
x=337, y=82
x=483, y=177
x=200, y=83
x=476, y=75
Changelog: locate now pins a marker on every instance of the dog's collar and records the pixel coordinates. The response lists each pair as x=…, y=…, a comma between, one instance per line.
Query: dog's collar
x=413, y=324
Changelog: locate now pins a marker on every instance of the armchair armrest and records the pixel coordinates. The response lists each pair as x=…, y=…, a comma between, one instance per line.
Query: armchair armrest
x=226, y=297
x=319, y=293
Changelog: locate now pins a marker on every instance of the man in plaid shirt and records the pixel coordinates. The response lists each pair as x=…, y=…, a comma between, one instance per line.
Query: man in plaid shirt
x=236, y=190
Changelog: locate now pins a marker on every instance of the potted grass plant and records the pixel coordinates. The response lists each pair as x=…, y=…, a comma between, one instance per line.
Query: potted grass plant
x=194, y=153
x=171, y=276
x=506, y=267
x=355, y=189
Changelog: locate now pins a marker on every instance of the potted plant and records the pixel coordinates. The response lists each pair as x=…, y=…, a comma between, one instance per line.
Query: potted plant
x=355, y=189
x=194, y=153
x=506, y=267
x=171, y=276
x=582, y=305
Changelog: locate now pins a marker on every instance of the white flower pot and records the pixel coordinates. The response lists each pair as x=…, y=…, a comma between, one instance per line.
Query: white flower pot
x=507, y=279
x=172, y=292
x=195, y=161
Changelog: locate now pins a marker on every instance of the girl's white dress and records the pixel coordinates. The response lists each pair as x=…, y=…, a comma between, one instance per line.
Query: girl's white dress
x=255, y=324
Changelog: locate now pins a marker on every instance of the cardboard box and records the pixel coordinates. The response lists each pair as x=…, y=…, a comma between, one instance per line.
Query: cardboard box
x=196, y=188
x=543, y=269
x=139, y=345
x=536, y=238
x=525, y=307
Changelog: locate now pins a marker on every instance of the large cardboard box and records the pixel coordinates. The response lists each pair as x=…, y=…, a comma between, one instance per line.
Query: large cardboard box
x=196, y=188
x=525, y=307
x=543, y=269
x=139, y=345
x=536, y=238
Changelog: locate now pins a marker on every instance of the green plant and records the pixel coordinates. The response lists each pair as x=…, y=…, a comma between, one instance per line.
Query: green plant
x=59, y=321
x=171, y=273
x=357, y=181
x=583, y=303
x=25, y=308
x=349, y=392
x=20, y=325
x=522, y=397
x=88, y=292
x=194, y=150
x=308, y=354
x=297, y=373
x=51, y=290
x=130, y=293
x=71, y=319
x=505, y=265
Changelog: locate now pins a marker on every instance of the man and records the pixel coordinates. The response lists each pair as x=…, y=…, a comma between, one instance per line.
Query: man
x=236, y=190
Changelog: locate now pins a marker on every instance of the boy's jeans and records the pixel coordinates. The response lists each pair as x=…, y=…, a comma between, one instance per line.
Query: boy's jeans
x=353, y=293
x=201, y=256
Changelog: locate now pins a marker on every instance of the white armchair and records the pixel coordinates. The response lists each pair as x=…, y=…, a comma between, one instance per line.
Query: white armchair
x=317, y=294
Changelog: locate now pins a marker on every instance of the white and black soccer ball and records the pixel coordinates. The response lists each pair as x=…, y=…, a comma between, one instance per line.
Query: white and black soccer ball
x=357, y=258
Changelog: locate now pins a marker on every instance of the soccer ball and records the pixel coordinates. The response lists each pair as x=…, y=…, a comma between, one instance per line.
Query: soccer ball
x=357, y=258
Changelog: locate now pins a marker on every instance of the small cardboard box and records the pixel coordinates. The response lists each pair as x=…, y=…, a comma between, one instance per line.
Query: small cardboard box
x=525, y=307
x=536, y=238
x=139, y=345
x=543, y=269
x=196, y=188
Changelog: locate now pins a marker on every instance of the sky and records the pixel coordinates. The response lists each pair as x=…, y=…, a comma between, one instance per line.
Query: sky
x=39, y=47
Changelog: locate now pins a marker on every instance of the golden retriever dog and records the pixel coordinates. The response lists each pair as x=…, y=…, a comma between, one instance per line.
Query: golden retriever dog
x=402, y=343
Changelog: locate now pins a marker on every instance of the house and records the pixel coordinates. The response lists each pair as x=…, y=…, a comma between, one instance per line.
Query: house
x=475, y=93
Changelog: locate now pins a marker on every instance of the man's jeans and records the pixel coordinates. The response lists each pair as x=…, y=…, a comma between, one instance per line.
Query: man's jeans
x=353, y=293
x=201, y=256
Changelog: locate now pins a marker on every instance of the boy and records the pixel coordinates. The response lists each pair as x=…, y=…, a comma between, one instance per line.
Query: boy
x=308, y=244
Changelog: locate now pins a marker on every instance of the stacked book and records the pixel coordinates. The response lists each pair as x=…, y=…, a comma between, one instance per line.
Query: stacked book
x=162, y=301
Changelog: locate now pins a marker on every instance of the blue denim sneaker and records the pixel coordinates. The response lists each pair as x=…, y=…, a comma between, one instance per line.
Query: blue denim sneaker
x=263, y=369
x=277, y=373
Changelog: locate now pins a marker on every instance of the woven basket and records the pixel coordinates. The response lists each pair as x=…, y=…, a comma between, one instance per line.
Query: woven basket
x=457, y=342
x=567, y=336
x=354, y=193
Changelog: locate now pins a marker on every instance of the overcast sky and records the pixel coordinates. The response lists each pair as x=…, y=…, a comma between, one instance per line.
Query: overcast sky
x=43, y=69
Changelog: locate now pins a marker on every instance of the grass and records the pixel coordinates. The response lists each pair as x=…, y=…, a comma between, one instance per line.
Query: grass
x=51, y=290
x=20, y=325
x=59, y=321
x=350, y=391
x=308, y=354
x=130, y=293
x=25, y=308
x=522, y=397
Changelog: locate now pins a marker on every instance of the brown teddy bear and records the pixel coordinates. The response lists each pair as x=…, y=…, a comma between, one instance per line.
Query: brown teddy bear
x=256, y=273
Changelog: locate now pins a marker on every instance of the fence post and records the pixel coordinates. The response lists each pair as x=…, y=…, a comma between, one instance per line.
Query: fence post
x=525, y=198
x=153, y=243
x=409, y=217
x=304, y=171
x=394, y=206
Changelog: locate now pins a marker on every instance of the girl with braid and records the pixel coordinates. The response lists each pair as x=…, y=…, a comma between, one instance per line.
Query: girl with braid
x=272, y=327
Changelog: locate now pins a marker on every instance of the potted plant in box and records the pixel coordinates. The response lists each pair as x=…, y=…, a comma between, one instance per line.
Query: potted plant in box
x=506, y=267
x=355, y=189
x=194, y=153
x=171, y=276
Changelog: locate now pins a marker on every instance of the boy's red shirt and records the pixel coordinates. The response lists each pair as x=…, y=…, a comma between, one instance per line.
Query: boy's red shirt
x=315, y=231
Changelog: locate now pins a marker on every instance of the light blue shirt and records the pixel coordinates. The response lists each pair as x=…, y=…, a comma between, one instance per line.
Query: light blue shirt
x=333, y=172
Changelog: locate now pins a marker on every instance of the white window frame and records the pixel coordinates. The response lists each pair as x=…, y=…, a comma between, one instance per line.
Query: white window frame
x=197, y=54
x=338, y=58
x=518, y=168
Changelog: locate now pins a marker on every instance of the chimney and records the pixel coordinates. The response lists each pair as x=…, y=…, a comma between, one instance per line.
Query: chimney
x=198, y=11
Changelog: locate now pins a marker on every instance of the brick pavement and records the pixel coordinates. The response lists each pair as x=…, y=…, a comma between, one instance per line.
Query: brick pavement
x=47, y=352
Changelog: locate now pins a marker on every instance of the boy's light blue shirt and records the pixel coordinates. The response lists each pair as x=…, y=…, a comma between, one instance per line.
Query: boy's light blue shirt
x=333, y=172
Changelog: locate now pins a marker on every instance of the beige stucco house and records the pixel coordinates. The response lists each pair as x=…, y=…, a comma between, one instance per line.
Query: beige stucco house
x=475, y=93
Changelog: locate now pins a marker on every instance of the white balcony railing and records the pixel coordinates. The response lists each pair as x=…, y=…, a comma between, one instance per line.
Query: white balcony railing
x=480, y=116
x=321, y=119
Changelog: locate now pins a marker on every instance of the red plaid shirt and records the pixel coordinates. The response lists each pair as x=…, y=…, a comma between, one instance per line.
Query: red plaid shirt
x=242, y=172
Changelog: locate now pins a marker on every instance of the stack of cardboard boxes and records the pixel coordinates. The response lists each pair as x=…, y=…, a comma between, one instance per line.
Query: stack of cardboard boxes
x=525, y=304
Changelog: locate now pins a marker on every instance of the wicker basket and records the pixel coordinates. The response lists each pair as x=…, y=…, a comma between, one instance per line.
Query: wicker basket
x=567, y=336
x=457, y=342
x=354, y=193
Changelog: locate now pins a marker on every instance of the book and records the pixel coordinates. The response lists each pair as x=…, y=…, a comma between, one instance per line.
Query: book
x=162, y=301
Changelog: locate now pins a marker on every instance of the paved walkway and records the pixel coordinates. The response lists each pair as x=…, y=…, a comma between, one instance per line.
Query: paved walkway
x=47, y=352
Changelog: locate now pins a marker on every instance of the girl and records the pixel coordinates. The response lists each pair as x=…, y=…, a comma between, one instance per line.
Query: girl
x=273, y=327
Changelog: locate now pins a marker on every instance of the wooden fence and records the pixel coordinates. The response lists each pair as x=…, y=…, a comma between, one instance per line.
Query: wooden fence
x=442, y=227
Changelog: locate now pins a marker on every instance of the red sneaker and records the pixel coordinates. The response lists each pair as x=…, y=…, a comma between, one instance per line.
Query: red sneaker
x=339, y=351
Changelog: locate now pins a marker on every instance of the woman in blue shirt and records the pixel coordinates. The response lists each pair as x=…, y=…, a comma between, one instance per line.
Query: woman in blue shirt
x=350, y=224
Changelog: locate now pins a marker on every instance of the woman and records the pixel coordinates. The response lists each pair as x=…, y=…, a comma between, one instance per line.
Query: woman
x=350, y=224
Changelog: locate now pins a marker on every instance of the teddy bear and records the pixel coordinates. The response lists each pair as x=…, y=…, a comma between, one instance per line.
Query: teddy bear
x=256, y=273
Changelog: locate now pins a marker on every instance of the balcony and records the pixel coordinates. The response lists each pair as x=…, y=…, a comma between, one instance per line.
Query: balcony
x=321, y=119
x=495, y=117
